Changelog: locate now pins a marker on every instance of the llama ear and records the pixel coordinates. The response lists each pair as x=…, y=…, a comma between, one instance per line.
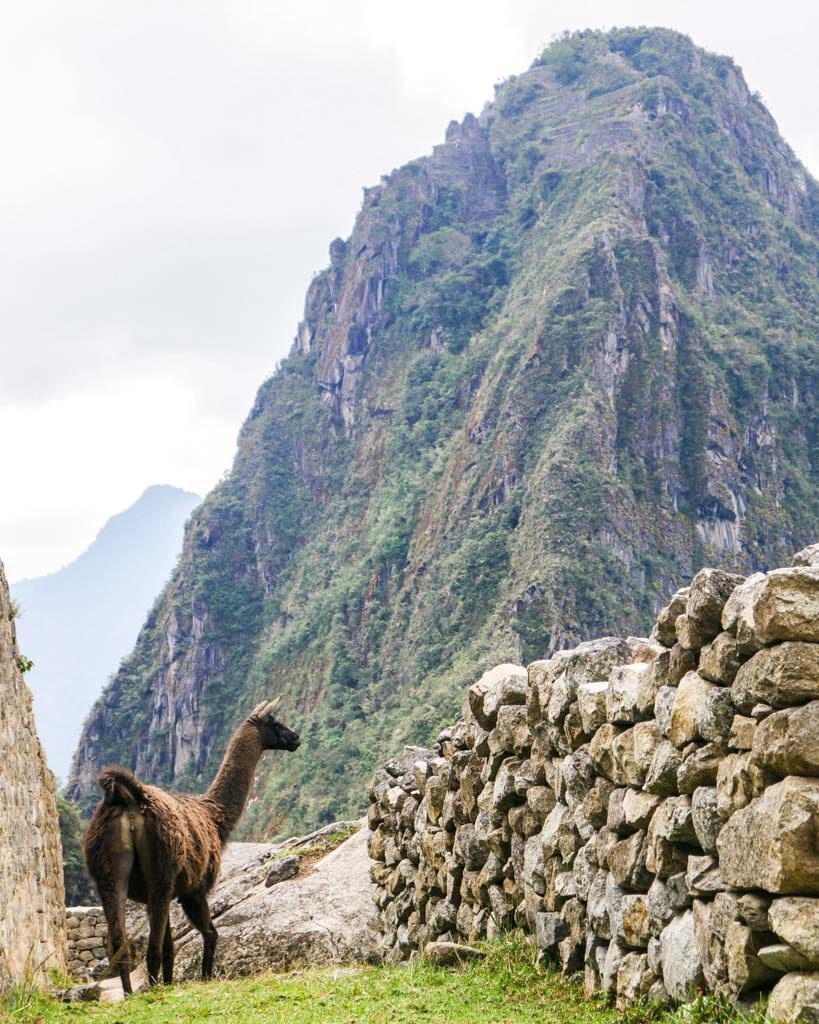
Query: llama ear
x=271, y=706
x=265, y=709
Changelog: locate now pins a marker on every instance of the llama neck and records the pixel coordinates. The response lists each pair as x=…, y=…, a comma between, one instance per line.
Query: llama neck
x=231, y=786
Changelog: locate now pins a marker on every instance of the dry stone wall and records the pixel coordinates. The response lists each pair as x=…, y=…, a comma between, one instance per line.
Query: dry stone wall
x=32, y=911
x=646, y=808
x=86, y=933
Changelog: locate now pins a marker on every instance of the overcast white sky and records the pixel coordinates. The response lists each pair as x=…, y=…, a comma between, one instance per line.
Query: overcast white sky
x=172, y=174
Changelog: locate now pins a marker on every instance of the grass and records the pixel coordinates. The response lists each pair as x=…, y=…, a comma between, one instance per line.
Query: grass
x=505, y=988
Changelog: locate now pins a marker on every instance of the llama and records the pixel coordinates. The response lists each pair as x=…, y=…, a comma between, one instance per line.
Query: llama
x=153, y=846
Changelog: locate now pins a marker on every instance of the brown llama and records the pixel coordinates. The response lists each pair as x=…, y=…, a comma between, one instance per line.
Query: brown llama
x=153, y=846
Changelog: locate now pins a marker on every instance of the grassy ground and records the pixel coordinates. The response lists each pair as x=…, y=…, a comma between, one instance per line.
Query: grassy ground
x=505, y=988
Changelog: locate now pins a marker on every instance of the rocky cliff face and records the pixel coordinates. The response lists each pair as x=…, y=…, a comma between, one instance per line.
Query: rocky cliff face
x=559, y=364
x=32, y=922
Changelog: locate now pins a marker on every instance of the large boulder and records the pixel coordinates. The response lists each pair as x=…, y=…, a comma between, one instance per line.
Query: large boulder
x=787, y=741
x=781, y=676
x=772, y=843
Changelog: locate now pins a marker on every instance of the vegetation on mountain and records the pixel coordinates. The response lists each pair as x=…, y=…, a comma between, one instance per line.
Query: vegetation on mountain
x=79, y=891
x=582, y=331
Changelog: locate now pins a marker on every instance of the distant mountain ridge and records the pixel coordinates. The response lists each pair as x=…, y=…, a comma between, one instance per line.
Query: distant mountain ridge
x=561, y=363
x=78, y=623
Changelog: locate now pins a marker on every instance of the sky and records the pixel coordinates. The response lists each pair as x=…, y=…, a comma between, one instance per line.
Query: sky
x=173, y=173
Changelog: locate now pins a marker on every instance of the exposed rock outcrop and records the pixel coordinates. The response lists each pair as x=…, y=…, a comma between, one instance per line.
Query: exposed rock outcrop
x=32, y=902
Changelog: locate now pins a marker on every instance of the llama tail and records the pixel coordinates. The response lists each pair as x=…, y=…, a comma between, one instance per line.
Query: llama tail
x=120, y=786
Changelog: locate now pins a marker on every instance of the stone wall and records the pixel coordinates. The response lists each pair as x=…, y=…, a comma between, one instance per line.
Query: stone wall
x=86, y=932
x=646, y=808
x=32, y=913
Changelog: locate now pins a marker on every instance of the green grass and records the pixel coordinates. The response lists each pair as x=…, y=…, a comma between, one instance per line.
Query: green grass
x=505, y=988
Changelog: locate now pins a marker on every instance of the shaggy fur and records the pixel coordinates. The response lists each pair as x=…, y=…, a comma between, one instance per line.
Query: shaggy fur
x=153, y=846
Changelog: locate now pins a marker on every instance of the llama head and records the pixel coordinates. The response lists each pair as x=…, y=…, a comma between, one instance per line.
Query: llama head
x=274, y=734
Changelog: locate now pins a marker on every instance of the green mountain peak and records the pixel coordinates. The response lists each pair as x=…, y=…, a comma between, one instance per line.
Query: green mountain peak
x=560, y=363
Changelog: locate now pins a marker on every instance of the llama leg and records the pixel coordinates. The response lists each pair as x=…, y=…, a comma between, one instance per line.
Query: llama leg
x=159, y=905
x=195, y=905
x=119, y=949
x=112, y=882
x=167, y=956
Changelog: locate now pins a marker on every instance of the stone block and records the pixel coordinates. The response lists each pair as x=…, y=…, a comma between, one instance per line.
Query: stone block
x=791, y=994
x=796, y=921
x=660, y=910
x=661, y=778
x=681, y=964
x=691, y=697
x=705, y=817
x=720, y=660
x=630, y=694
x=786, y=606
x=591, y=701
x=780, y=958
x=780, y=676
x=689, y=636
x=634, y=980
x=737, y=615
x=448, y=954
x=597, y=906
x=665, y=627
x=745, y=970
x=512, y=729
x=663, y=706
x=741, y=736
x=709, y=591
x=739, y=781
x=681, y=661
x=787, y=742
x=504, y=684
x=703, y=876
x=700, y=767
x=752, y=909
x=627, y=859
x=771, y=843
x=635, y=917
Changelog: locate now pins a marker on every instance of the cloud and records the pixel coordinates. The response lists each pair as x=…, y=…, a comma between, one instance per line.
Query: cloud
x=173, y=173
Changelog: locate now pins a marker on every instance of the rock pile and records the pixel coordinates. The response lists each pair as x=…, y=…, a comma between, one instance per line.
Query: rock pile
x=647, y=809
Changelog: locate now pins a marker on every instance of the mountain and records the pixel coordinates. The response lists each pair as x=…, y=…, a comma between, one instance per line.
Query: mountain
x=77, y=624
x=581, y=331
